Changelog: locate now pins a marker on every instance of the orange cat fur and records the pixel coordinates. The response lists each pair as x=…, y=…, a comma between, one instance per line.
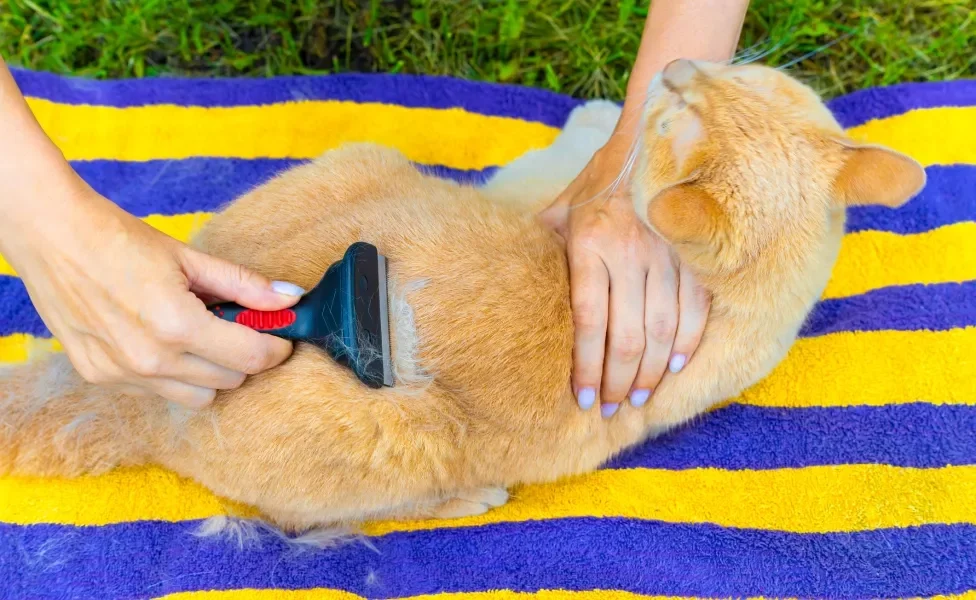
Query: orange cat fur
x=742, y=169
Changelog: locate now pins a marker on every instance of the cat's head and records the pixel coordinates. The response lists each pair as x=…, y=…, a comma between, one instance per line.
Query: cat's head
x=736, y=160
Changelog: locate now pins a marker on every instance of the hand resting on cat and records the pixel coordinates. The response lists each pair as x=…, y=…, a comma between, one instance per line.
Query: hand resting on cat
x=741, y=169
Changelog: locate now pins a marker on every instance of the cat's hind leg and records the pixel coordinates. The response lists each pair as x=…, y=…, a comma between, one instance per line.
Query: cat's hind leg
x=467, y=503
x=471, y=503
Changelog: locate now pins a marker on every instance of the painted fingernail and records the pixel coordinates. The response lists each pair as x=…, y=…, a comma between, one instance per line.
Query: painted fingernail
x=638, y=398
x=608, y=410
x=677, y=363
x=586, y=398
x=288, y=289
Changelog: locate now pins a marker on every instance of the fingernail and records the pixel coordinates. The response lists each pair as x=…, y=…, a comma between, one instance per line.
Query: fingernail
x=586, y=398
x=288, y=289
x=677, y=363
x=639, y=397
x=608, y=410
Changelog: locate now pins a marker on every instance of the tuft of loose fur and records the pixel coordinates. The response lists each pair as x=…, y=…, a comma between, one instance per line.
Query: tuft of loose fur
x=741, y=169
x=249, y=533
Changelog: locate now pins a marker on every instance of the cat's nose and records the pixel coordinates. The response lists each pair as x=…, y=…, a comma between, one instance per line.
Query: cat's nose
x=679, y=72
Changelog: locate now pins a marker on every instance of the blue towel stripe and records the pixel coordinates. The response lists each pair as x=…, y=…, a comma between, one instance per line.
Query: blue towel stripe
x=144, y=559
x=933, y=307
x=917, y=434
x=172, y=187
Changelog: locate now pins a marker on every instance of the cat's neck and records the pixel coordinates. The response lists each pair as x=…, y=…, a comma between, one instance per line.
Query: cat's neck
x=776, y=296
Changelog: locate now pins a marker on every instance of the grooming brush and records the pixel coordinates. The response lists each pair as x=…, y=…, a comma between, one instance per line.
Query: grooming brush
x=345, y=314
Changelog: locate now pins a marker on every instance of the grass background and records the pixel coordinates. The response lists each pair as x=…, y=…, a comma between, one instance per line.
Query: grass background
x=579, y=47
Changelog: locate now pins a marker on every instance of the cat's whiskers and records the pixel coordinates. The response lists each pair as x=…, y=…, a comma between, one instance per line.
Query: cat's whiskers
x=751, y=54
x=758, y=56
x=816, y=51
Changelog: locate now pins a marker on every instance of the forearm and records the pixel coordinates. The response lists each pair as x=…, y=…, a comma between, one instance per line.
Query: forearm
x=42, y=199
x=31, y=166
x=694, y=29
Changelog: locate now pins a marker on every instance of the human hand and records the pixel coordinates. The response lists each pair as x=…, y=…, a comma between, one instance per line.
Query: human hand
x=121, y=297
x=637, y=311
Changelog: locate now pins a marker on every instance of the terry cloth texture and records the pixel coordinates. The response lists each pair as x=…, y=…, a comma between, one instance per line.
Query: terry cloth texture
x=849, y=472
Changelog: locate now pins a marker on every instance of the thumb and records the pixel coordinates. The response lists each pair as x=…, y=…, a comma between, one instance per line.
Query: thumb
x=210, y=276
x=556, y=215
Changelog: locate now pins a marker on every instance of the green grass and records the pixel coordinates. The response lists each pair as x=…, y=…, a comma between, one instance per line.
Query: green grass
x=579, y=47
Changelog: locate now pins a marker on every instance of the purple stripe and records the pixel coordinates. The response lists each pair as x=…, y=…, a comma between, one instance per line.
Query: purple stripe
x=949, y=197
x=206, y=184
x=520, y=102
x=17, y=313
x=936, y=307
x=917, y=435
x=149, y=559
x=415, y=91
x=878, y=103
x=171, y=187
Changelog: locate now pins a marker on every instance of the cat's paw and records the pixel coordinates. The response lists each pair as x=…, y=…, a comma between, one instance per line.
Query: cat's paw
x=601, y=115
x=471, y=503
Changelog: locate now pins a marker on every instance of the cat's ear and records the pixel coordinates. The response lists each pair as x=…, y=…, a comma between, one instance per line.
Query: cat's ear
x=877, y=175
x=685, y=214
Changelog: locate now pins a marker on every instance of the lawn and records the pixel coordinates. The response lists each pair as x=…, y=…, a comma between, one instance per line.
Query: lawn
x=579, y=47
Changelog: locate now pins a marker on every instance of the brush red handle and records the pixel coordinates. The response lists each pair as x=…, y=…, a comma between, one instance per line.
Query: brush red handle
x=282, y=323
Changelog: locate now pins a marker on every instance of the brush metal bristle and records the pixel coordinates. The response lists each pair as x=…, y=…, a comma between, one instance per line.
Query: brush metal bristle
x=385, y=323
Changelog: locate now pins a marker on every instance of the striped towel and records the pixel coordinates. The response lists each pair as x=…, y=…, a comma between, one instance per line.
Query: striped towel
x=849, y=472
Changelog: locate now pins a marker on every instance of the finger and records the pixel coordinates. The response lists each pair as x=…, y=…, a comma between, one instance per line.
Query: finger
x=208, y=299
x=694, y=303
x=660, y=323
x=236, y=347
x=199, y=371
x=212, y=276
x=190, y=396
x=625, y=336
x=134, y=391
x=589, y=297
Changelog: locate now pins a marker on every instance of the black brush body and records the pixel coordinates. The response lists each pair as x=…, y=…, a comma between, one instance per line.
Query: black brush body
x=345, y=314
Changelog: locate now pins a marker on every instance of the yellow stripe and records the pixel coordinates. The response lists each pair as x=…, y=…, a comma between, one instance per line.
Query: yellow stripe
x=327, y=594
x=797, y=500
x=21, y=347
x=873, y=368
x=932, y=136
x=841, y=369
x=868, y=259
x=874, y=259
x=182, y=227
x=451, y=137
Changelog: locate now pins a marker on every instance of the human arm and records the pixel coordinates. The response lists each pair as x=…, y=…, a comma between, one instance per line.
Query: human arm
x=638, y=313
x=120, y=296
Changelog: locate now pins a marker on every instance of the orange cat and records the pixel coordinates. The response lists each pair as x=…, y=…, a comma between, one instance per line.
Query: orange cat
x=742, y=169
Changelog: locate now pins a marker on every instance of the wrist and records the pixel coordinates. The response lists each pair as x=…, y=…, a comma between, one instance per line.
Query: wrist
x=36, y=182
x=46, y=211
x=613, y=155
